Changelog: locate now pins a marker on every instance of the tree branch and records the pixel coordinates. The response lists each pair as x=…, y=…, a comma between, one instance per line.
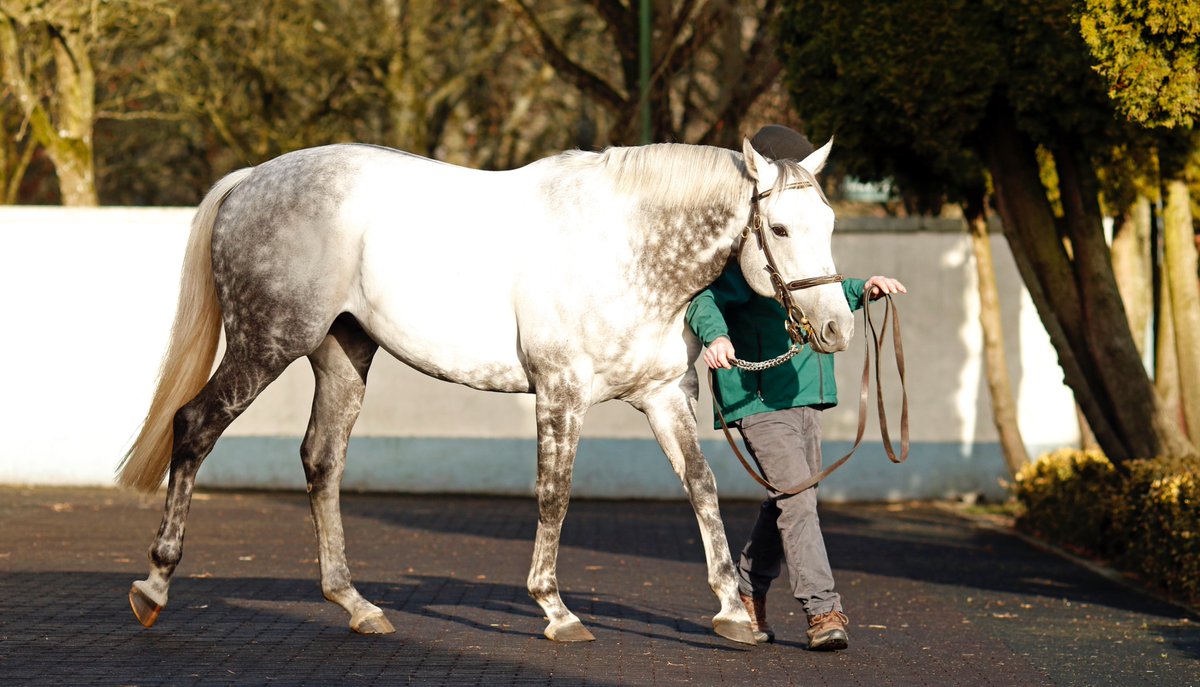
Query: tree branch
x=759, y=71
x=581, y=78
x=17, y=173
x=623, y=22
x=141, y=115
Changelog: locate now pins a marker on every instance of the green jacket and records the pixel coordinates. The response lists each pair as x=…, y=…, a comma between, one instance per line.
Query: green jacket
x=755, y=325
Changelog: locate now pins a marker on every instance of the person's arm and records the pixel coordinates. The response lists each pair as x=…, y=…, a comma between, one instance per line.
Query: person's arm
x=858, y=290
x=854, y=290
x=705, y=315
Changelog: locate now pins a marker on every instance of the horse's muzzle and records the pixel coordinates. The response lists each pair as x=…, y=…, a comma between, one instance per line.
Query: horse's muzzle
x=832, y=335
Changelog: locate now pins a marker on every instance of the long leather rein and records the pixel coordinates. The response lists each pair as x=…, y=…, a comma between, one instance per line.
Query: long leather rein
x=877, y=342
x=801, y=330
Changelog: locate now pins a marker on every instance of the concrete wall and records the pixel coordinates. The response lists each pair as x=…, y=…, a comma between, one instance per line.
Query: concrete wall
x=88, y=297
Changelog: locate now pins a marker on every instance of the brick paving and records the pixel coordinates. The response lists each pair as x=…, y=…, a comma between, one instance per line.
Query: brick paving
x=933, y=599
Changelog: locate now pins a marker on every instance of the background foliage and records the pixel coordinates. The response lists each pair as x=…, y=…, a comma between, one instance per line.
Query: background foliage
x=1147, y=520
x=166, y=96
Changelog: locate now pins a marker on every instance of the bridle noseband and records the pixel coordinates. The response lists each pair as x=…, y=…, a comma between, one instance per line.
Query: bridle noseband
x=798, y=326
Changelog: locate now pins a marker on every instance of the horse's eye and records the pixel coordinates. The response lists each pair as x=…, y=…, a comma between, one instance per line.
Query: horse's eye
x=779, y=229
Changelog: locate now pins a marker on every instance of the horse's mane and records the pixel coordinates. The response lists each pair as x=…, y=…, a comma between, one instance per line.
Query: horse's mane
x=675, y=176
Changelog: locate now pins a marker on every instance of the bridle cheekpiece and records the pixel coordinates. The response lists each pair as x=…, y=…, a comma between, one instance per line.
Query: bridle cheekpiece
x=798, y=326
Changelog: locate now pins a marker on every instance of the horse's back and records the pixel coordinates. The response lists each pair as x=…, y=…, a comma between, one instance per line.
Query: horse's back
x=422, y=253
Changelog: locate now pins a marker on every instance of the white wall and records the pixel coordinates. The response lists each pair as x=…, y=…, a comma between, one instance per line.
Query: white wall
x=88, y=296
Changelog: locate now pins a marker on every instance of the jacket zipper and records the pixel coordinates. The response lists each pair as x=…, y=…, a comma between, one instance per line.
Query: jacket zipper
x=758, y=375
x=820, y=379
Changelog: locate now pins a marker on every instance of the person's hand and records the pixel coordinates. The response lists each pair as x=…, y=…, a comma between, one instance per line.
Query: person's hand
x=719, y=353
x=876, y=287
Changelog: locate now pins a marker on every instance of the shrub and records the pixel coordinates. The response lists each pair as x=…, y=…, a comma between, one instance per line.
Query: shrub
x=1146, y=519
x=1158, y=519
x=1068, y=497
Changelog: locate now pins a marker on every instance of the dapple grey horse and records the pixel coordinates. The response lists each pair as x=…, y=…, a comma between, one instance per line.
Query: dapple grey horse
x=567, y=279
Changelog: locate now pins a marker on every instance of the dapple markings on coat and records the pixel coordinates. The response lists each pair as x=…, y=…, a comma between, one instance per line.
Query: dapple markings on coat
x=567, y=278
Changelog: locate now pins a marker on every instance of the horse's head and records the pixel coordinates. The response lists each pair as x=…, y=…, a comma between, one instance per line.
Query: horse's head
x=786, y=247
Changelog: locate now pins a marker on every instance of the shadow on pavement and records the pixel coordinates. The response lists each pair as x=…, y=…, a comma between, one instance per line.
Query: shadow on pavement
x=1186, y=639
x=204, y=605
x=929, y=545
x=280, y=630
x=920, y=543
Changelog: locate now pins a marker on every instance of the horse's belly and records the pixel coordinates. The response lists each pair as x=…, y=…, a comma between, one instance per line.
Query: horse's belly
x=463, y=362
x=439, y=327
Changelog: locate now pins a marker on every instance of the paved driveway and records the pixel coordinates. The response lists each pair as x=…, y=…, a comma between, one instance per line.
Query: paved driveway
x=933, y=599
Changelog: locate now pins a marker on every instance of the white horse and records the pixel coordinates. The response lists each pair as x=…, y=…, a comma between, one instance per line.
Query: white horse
x=567, y=279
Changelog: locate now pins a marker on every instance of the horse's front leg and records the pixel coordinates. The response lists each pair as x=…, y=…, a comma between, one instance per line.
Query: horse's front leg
x=562, y=401
x=672, y=414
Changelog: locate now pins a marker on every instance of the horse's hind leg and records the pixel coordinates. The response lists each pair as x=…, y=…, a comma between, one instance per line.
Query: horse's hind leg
x=672, y=416
x=560, y=411
x=340, y=367
x=237, y=382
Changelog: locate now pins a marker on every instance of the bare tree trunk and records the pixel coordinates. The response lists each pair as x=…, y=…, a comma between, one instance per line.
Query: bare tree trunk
x=1077, y=297
x=1131, y=266
x=1166, y=361
x=1087, y=438
x=1127, y=394
x=1180, y=263
x=1004, y=408
x=72, y=149
x=1044, y=265
x=64, y=127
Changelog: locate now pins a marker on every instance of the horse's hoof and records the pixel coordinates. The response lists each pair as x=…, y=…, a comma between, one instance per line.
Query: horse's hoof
x=144, y=608
x=373, y=625
x=737, y=631
x=569, y=632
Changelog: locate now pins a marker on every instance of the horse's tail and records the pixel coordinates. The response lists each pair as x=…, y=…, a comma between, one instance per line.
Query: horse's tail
x=191, y=351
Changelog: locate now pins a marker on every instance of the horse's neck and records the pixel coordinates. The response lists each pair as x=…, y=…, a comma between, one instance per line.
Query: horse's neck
x=687, y=251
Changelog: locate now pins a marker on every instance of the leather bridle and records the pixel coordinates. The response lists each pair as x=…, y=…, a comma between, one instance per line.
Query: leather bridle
x=798, y=326
x=801, y=331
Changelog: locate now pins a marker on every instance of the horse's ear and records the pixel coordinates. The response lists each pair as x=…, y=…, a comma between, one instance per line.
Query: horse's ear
x=816, y=159
x=757, y=166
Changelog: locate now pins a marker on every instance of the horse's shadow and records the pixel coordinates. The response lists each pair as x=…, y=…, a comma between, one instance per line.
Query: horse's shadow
x=422, y=607
x=260, y=631
x=648, y=529
x=508, y=602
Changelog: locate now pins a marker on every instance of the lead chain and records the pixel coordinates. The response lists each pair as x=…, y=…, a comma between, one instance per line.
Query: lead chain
x=767, y=364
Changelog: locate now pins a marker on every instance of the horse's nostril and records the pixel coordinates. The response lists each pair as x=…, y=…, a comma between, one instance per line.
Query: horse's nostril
x=831, y=332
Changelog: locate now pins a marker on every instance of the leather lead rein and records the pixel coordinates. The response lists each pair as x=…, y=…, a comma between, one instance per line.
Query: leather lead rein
x=877, y=338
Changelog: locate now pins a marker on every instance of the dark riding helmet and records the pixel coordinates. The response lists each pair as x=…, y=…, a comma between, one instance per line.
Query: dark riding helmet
x=777, y=142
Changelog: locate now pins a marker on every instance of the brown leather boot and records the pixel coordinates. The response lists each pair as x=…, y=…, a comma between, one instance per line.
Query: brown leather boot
x=827, y=631
x=756, y=606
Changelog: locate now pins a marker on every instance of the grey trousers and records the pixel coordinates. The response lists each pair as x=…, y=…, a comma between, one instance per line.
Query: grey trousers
x=786, y=444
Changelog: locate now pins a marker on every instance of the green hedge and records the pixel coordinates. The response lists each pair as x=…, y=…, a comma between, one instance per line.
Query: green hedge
x=1145, y=519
